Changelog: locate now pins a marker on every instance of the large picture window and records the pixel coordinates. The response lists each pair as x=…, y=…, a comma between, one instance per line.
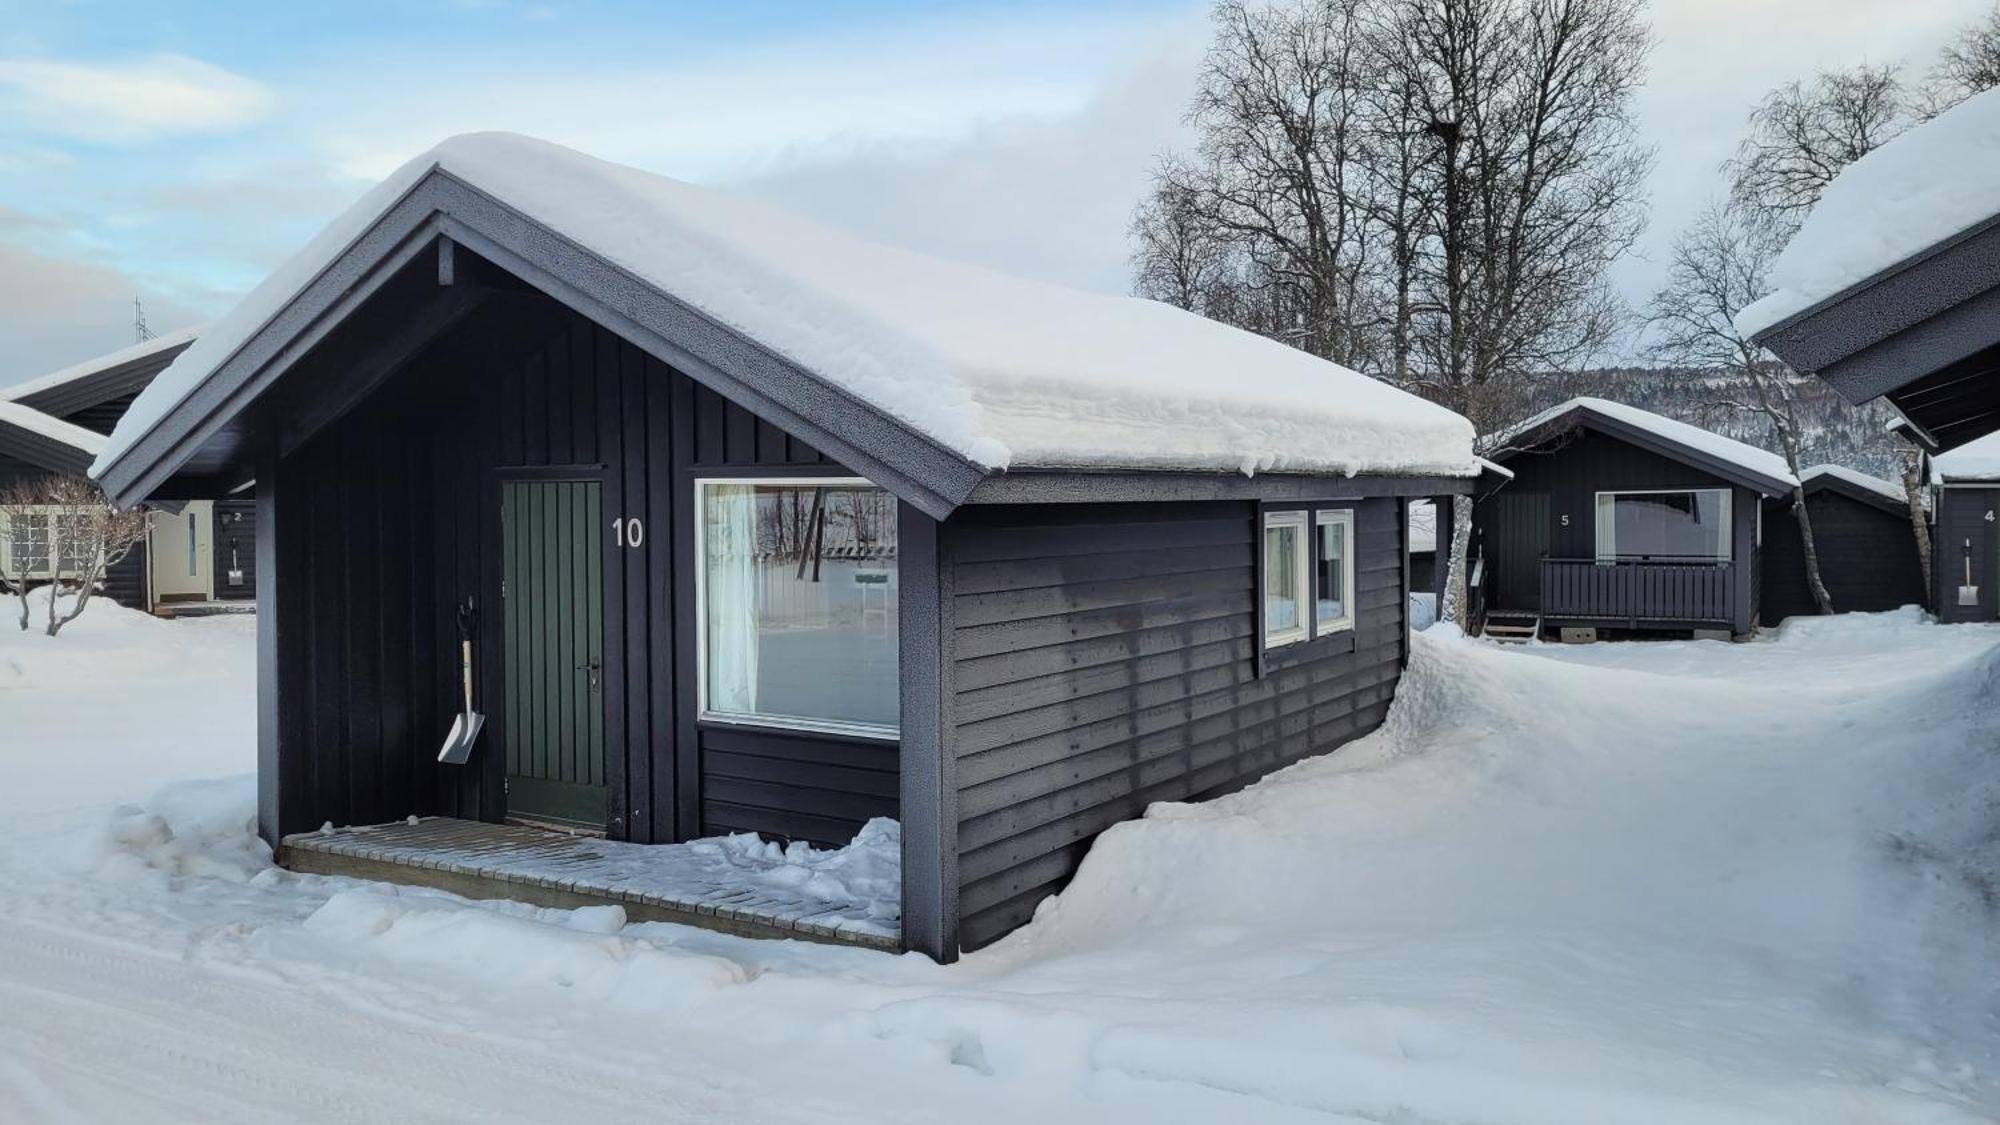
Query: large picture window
x=1667, y=525
x=797, y=598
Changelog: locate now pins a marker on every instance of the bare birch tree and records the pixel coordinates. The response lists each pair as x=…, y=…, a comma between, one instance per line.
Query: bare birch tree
x=64, y=533
x=1719, y=264
x=1968, y=65
x=1804, y=133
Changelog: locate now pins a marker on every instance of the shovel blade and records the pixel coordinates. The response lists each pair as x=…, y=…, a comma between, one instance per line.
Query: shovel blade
x=1968, y=595
x=458, y=744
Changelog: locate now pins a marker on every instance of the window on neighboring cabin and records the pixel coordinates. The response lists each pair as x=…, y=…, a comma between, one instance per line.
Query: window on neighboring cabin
x=1666, y=526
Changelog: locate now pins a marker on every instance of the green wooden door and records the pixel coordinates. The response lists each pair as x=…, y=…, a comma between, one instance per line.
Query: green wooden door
x=1514, y=562
x=553, y=596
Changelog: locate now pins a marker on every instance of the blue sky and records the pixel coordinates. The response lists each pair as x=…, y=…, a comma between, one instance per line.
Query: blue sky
x=179, y=151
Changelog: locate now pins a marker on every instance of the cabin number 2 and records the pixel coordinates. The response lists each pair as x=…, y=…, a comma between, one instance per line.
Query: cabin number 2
x=628, y=531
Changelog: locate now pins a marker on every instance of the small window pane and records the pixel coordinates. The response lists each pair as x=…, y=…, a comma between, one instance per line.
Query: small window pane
x=799, y=595
x=29, y=543
x=1284, y=578
x=1332, y=576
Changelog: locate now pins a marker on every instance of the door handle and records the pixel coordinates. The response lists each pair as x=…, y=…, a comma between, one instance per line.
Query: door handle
x=595, y=668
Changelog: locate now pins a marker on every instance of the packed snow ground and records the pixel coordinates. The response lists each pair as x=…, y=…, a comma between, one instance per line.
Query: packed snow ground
x=1680, y=882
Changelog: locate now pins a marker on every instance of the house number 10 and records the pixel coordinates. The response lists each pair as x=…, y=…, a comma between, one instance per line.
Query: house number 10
x=629, y=532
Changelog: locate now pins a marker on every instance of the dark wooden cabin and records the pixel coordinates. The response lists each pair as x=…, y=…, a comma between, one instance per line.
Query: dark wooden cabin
x=56, y=424
x=1861, y=533
x=718, y=591
x=1620, y=519
x=1965, y=532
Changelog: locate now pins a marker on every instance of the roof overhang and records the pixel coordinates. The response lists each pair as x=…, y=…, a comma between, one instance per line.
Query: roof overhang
x=37, y=448
x=1581, y=417
x=1830, y=482
x=86, y=385
x=1924, y=333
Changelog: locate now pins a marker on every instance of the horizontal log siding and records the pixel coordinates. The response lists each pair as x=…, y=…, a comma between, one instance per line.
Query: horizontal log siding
x=1104, y=659
x=794, y=786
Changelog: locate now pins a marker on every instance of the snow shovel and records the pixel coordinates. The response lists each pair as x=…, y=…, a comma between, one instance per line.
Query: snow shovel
x=1968, y=594
x=464, y=728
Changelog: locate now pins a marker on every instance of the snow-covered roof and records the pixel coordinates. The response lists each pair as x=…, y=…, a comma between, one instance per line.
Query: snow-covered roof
x=1855, y=477
x=1935, y=181
x=55, y=429
x=1712, y=446
x=1975, y=460
x=89, y=367
x=1007, y=373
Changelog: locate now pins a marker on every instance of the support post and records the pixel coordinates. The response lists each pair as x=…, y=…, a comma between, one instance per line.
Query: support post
x=276, y=807
x=929, y=774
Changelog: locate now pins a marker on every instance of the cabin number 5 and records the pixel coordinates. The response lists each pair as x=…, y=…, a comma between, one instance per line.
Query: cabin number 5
x=1565, y=519
x=629, y=531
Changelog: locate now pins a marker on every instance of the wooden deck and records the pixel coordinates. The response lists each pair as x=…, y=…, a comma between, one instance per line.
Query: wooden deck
x=654, y=883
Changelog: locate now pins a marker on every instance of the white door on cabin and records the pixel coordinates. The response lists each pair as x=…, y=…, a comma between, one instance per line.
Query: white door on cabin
x=182, y=550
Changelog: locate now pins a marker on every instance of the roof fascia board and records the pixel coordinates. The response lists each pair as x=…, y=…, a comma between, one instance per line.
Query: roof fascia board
x=86, y=391
x=349, y=280
x=1891, y=300
x=1889, y=364
x=1053, y=487
x=42, y=451
x=832, y=420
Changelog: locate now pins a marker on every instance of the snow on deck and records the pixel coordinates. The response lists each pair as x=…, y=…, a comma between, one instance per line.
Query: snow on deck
x=734, y=882
x=1933, y=182
x=1007, y=372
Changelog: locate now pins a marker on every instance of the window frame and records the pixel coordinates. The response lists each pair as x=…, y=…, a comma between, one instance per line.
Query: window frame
x=1342, y=518
x=795, y=724
x=1302, y=587
x=1313, y=641
x=1600, y=528
x=51, y=516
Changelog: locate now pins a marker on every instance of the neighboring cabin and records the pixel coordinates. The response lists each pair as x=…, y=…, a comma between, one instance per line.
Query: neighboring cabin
x=58, y=423
x=770, y=529
x=1619, y=519
x=1861, y=533
x=1966, y=541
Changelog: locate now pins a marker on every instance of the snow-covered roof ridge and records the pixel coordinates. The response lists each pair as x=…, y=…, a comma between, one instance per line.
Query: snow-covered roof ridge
x=1005, y=372
x=1854, y=477
x=1761, y=462
x=53, y=428
x=154, y=346
x=1975, y=460
x=1936, y=181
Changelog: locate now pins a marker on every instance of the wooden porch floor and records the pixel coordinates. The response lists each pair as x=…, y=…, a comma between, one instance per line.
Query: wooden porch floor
x=653, y=882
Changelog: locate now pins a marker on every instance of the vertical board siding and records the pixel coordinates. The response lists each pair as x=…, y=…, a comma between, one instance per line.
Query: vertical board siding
x=397, y=523
x=1867, y=557
x=1962, y=526
x=1104, y=659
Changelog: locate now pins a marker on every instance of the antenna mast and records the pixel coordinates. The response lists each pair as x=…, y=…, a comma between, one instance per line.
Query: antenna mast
x=140, y=333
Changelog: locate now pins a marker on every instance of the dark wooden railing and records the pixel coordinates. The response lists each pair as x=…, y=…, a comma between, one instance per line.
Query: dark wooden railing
x=1638, y=590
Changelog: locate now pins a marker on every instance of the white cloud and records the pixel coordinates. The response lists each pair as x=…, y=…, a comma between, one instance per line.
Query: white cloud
x=133, y=100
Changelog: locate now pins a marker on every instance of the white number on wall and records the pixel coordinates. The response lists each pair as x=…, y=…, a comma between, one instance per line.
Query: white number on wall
x=1565, y=519
x=1989, y=515
x=629, y=532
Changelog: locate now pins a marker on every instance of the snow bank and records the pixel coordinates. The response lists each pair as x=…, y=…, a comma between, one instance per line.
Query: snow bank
x=579, y=952
x=1007, y=372
x=1935, y=181
x=204, y=828
x=867, y=872
x=1760, y=461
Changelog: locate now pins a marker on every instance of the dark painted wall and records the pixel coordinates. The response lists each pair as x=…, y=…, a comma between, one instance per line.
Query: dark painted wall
x=394, y=519
x=1570, y=471
x=1104, y=659
x=1961, y=520
x=1867, y=557
x=234, y=542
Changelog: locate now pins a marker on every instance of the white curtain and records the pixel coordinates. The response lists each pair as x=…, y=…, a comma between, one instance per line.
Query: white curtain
x=730, y=594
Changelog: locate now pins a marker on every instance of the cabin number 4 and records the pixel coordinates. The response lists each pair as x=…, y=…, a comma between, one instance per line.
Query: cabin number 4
x=628, y=531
